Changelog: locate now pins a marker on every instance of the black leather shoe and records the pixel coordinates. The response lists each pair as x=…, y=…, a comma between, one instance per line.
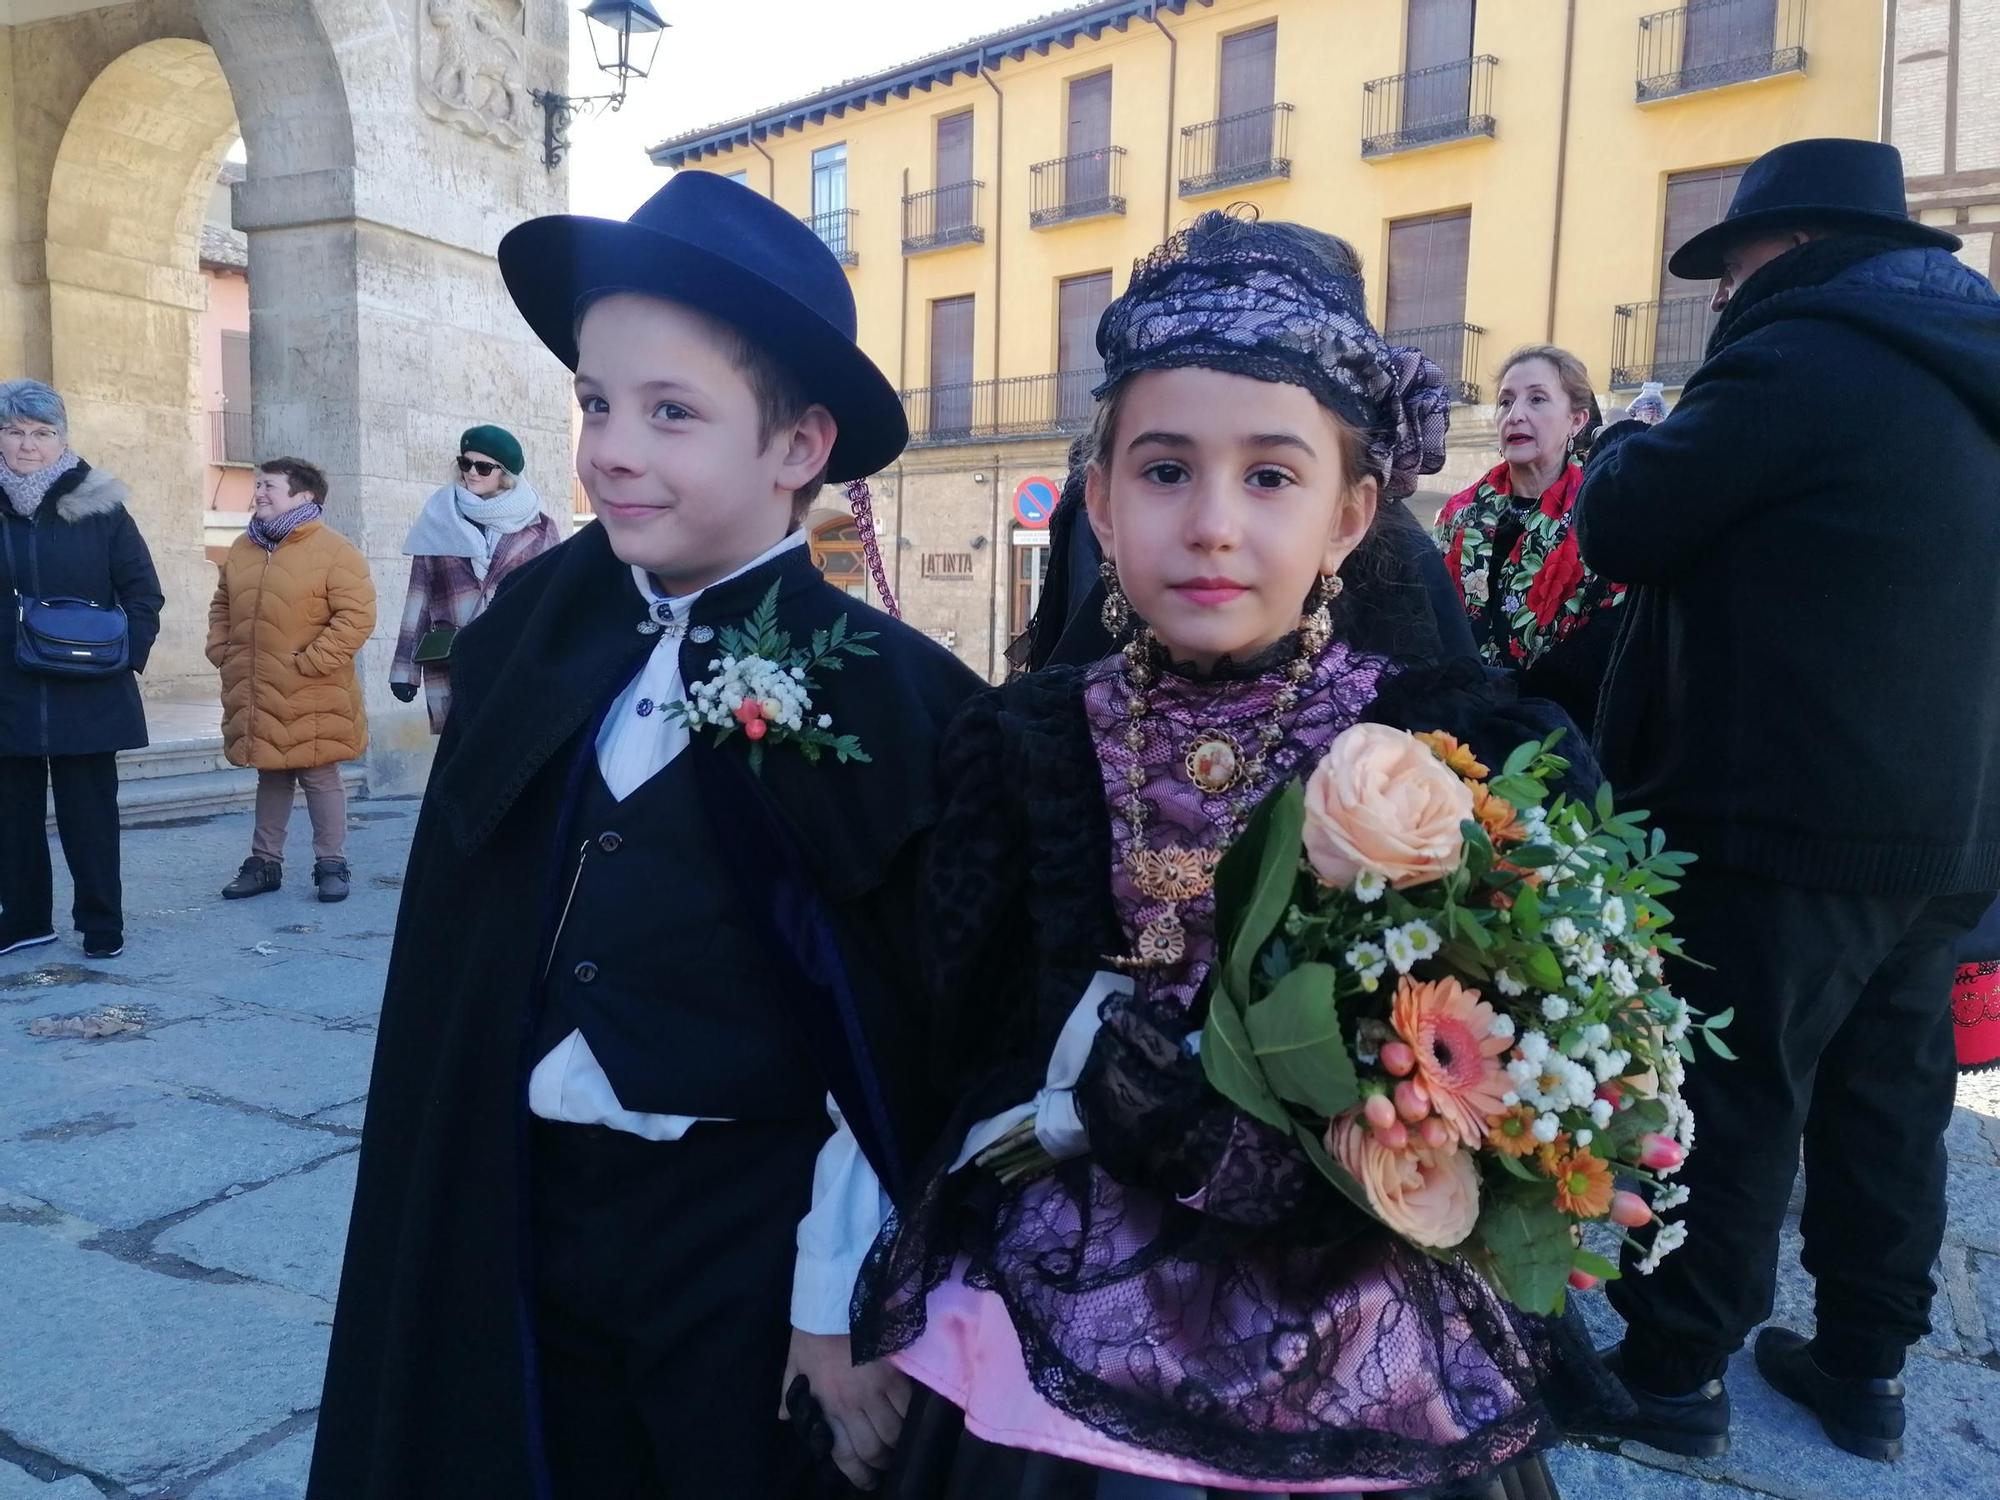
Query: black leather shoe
x=258, y=877
x=1863, y=1416
x=103, y=944
x=1695, y=1425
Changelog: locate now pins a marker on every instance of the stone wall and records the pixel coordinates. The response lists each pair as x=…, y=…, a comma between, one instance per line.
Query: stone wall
x=390, y=144
x=1944, y=74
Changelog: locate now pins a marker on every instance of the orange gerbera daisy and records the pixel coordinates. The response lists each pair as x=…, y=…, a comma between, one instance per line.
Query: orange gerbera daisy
x=1549, y=1157
x=1455, y=755
x=1583, y=1186
x=1499, y=817
x=1513, y=1134
x=1450, y=1029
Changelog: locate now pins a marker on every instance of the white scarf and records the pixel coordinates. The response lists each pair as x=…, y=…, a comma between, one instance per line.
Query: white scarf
x=457, y=523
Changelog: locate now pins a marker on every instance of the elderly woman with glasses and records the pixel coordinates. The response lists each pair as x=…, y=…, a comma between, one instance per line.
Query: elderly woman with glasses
x=470, y=535
x=65, y=535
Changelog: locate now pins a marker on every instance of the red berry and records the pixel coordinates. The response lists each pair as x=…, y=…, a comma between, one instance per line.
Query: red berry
x=1398, y=1058
x=1583, y=1281
x=1380, y=1112
x=756, y=729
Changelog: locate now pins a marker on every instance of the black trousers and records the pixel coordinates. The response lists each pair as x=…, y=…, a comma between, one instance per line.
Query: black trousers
x=86, y=795
x=662, y=1303
x=1843, y=1039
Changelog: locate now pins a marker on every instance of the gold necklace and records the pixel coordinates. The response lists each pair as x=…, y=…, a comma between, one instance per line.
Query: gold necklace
x=1215, y=763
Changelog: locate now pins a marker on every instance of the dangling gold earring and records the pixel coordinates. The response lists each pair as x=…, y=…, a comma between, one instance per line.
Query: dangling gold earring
x=1117, y=611
x=1316, y=623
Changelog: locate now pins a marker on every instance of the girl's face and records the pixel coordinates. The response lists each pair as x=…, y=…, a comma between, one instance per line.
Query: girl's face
x=1222, y=499
x=1535, y=417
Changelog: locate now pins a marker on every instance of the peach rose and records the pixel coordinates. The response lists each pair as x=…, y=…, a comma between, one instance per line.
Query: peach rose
x=1428, y=1197
x=1381, y=802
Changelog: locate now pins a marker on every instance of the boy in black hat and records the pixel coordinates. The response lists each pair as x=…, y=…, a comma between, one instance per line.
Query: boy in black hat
x=655, y=917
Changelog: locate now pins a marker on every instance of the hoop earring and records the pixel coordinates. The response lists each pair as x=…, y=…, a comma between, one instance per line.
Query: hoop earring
x=1116, y=613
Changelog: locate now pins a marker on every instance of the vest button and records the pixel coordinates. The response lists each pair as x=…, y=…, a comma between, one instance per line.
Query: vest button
x=609, y=842
x=586, y=972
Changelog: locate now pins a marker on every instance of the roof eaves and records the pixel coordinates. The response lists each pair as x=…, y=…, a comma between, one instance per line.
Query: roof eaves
x=1059, y=30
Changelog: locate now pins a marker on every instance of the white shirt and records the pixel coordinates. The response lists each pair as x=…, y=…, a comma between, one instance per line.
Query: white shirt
x=569, y=1084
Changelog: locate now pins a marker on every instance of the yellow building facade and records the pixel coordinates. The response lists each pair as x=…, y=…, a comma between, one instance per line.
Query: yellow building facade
x=1511, y=171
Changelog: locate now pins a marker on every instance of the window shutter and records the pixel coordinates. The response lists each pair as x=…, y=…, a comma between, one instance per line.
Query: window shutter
x=1249, y=83
x=1729, y=31
x=1080, y=302
x=1695, y=201
x=951, y=364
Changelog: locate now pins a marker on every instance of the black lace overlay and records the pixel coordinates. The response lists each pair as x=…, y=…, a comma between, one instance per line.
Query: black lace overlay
x=1192, y=1286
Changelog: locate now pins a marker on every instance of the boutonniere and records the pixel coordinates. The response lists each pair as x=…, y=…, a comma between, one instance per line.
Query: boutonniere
x=763, y=687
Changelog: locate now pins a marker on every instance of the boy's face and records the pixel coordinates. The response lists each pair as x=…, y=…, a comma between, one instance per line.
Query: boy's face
x=671, y=451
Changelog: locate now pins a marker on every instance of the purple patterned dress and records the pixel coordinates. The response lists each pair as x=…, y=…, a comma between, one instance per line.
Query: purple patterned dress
x=1181, y=1332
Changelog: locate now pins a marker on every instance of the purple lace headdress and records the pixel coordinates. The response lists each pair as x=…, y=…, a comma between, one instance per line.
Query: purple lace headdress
x=1270, y=300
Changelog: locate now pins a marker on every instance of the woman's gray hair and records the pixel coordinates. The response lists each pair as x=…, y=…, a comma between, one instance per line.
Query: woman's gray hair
x=31, y=401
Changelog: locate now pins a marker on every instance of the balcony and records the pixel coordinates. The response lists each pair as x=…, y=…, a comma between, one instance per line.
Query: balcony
x=229, y=441
x=942, y=217
x=1719, y=42
x=1430, y=107
x=1664, y=341
x=1454, y=349
x=1086, y=185
x=1253, y=146
x=836, y=232
x=1028, y=406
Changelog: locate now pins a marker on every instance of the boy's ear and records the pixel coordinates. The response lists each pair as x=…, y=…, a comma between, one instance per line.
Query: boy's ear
x=808, y=448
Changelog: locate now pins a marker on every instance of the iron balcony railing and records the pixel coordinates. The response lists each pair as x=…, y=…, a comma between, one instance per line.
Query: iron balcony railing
x=1663, y=341
x=1248, y=147
x=1719, y=42
x=1450, y=102
x=1454, y=349
x=836, y=232
x=942, y=216
x=229, y=438
x=1080, y=186
x=1027, y=406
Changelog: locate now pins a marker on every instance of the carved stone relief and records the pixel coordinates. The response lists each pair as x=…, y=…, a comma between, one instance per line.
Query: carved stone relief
x=472, y=69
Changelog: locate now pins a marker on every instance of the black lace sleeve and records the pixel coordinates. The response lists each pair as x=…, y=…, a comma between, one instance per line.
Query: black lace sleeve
x=1154, y=1121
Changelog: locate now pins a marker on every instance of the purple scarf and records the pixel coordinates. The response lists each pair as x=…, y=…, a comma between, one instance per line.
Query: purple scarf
x=267, y=534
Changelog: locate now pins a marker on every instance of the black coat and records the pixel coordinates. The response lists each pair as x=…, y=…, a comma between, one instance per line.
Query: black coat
x=81, y=543
x=428, y=1380
x=1807, y=683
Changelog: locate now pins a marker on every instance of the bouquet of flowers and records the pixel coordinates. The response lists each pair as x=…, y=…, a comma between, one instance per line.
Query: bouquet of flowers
x=1446, y=984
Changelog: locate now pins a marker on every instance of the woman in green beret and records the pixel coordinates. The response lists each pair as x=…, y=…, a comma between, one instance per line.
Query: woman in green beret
x=471, y=533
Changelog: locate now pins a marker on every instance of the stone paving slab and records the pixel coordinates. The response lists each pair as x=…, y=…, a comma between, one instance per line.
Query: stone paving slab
x=143, y=1378
x=349, y=1115
x=139, y=1158
x=1587, y=1474
x=1975, y=1205
x=333, y=988
x=19, y=1484
x=290, y=1232
x=278, y=1473
x=293, y=1067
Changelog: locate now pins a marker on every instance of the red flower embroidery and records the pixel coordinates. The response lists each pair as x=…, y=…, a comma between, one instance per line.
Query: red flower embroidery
x=1561, y=571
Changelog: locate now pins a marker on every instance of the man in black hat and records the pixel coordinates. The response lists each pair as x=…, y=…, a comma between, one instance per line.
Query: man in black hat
x=1804, y=693
x=657, y=913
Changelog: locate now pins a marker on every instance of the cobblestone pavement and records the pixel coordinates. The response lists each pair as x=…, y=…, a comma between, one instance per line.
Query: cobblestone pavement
x=173, y=1201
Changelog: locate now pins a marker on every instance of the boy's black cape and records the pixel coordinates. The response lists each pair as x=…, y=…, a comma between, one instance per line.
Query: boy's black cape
x=429, y=1385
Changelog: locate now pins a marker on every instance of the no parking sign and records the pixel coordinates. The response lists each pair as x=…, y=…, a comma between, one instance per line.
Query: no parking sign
x=1035, y=501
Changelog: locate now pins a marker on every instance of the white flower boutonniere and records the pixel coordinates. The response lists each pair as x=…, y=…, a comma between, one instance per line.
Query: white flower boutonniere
x=763, y=687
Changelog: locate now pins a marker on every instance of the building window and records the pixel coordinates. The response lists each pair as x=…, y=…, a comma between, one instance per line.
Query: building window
x=829, y=168
x=1665, y=340
x=229, y=427
x=1426, y=298
x=1247, y=88
x=1080, y=303
x=1438, y=56
x=1031, y=569
x=1695, y=201
x=956, y=203
x=951, y=367
x=836, y=552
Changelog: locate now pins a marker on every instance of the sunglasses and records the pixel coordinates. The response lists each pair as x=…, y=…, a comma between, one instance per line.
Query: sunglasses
x=477, y=466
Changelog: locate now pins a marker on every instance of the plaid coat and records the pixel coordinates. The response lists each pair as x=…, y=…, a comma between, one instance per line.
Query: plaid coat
x=445, y=593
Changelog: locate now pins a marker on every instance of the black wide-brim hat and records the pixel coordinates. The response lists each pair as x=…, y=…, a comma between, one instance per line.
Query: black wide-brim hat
x=722, y=249
x=1837, y=183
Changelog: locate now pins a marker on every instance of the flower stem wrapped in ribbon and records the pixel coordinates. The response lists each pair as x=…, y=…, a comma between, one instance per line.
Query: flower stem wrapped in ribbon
x=1447, y=984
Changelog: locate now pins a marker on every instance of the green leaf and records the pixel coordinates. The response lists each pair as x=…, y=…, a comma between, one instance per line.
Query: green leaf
x=1227, y=1062
x=1592, y=1264
x=1531, y=856
x=1332, y=1170
x=1717, y=1045
x=1522, y=791
x=1617, y=1140
x=1716, y=1023
x=1527, y=911
x=1604, y=804
x=1512, y=1166
x=1544, y=970
x=1295, y=1035
x=1522, y=757
x=1528, y=1248
x=1254, y=882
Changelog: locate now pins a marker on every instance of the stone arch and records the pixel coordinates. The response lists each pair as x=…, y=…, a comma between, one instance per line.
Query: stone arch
x=126, y=199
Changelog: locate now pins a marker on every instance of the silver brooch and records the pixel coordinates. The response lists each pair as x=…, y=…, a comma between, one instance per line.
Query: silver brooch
x=701, y=635
x=649, y=627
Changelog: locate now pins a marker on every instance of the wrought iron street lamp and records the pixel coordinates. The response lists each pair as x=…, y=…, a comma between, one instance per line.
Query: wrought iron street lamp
x=616, y=55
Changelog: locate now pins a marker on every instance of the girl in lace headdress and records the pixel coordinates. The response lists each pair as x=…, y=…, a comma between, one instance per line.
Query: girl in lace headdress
x=1182, y=1306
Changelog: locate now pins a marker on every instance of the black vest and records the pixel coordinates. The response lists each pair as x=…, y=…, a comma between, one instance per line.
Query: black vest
x=661, y=969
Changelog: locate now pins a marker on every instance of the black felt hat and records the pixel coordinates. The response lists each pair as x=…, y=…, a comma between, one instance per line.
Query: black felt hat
x=1842, y=183
x=717, y=246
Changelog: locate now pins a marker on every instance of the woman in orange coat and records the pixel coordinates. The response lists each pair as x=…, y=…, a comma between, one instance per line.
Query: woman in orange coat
x=294, y=606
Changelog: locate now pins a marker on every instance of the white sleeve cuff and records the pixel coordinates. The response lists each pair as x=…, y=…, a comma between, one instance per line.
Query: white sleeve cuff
x=848, y=1210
